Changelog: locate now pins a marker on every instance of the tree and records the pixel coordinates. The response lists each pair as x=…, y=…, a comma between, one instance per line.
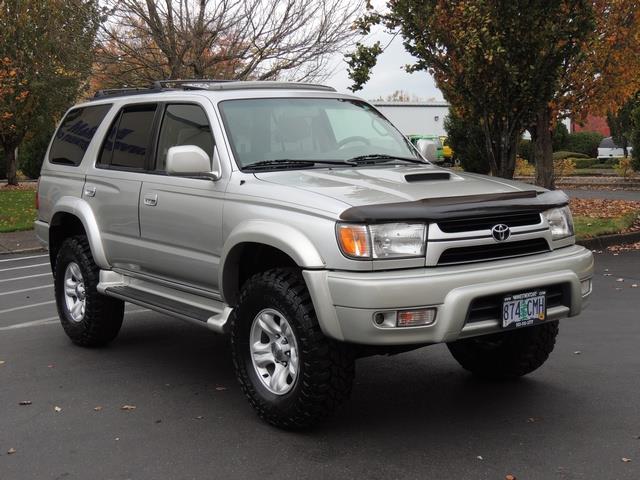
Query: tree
x=146, y=40
x=596, y=79
x=45, y=56
x=634, y=138
x=466, y=138
x=495, y=62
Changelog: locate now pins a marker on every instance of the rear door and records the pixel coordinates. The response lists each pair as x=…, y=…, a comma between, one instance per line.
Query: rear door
x=181, y=218
x=113, y=185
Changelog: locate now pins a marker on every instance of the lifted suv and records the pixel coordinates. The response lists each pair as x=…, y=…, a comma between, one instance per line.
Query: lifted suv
x=303, y=224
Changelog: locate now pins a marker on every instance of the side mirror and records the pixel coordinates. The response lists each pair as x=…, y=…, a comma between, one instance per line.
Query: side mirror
x=192, y=161
x=428, y=149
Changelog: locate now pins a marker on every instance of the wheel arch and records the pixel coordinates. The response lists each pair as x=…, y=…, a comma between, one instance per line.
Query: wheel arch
x=258, y=246
x=73, y=216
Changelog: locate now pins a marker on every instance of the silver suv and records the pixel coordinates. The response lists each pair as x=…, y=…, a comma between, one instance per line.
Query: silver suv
x=301, y=223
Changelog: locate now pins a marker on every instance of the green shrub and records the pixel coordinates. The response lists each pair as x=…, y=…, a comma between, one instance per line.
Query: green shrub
x=32, y=152
x=525, y=149
x=562, y=154
x=585, y=162
x=584, y=142
x=603, y=165
x=466, y=139
x=560, y=137
x=3, y=166
x=635, y=139
x=612, y=161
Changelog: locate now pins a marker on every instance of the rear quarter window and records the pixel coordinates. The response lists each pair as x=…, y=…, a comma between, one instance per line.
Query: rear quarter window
x=75, y=134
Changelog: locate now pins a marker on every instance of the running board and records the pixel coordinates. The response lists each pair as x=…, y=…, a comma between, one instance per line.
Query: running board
x=214, y=318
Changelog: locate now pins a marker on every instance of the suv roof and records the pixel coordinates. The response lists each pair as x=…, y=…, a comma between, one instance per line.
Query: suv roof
x=201, y=84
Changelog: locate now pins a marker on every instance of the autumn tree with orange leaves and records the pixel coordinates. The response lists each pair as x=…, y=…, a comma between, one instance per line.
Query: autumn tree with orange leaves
x=46, y=51
x=598, y=79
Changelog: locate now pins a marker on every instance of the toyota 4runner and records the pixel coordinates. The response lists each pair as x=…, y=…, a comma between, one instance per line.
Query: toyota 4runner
x=301, y=223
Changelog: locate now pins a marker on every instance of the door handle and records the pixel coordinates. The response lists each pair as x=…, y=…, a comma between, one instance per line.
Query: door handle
x=90, y=191
x=151, y=199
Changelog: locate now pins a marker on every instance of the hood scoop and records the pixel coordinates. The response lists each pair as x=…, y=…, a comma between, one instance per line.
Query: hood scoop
x=426, y=177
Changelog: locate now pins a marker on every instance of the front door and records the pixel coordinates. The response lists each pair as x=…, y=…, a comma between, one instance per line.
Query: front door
x=181, y=218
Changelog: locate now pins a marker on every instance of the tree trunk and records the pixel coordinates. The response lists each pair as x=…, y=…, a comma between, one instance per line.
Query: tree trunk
x=542, y=143
x=10, y=155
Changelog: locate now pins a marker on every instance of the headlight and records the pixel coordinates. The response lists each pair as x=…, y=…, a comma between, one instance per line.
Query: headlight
x=385, y=240
x=560, y=222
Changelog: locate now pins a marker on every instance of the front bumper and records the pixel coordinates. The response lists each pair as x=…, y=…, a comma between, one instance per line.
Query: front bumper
x=346, y=302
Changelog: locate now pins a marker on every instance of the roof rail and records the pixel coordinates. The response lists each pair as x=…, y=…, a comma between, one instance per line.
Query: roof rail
x=206, y=84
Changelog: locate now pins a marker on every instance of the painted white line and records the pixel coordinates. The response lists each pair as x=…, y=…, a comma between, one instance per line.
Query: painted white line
x=26, y=289
x=33, y=323
x=25, y=277
x=27, y=306
x=26, y=266
x=51, y=321
x=15, y=259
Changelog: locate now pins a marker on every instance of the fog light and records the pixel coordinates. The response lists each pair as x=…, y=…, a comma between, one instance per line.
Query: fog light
x=415, y=318
x=585, y=287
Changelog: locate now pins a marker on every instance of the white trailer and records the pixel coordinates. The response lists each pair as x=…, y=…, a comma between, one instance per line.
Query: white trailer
x=416, y=118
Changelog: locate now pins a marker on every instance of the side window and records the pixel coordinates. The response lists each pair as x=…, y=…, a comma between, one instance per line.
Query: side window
x=75, y=133
x=183, y=124
x=128, y=140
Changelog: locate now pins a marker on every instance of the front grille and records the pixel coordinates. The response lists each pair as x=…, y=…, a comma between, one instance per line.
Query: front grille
x=493, y=251
x=471, y=224
x=488, y=308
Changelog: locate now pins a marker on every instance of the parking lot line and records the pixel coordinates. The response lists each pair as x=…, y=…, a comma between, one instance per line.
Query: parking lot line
x=26, y=266
x=52, y=320
x=27, y=289
x=22, y=258
x=25, y=277
x=27, y=306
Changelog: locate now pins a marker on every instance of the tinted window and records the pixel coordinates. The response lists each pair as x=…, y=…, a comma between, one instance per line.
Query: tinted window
x=183, y=125
x=130, y=142
x=75, y=133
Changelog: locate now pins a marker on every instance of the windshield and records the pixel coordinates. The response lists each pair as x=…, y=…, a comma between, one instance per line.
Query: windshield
x=311, y=129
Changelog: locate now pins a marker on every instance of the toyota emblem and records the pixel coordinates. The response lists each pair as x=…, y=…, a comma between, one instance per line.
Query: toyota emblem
x=500, y=232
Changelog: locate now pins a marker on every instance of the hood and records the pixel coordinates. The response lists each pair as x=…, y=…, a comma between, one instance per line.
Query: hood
x=368, y=185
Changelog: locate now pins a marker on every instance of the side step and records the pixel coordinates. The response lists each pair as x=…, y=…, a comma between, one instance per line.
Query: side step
x=215, y=319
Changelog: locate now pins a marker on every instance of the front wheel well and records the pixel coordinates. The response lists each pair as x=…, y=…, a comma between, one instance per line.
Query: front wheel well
x=245, y=260
x=63, y=225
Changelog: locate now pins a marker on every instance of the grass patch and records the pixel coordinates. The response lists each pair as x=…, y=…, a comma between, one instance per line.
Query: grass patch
x=17, y=210
x=588, y=227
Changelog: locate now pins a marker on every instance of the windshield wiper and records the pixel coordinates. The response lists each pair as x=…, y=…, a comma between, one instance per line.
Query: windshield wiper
x=292, y=163
x=382, y=157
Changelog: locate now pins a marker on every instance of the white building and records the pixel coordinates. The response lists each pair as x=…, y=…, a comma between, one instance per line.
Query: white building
x=424, y=118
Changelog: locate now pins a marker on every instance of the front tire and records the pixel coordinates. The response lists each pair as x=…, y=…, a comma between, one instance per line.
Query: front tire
x=89, y=318
x=291, y=373
x=509, y=354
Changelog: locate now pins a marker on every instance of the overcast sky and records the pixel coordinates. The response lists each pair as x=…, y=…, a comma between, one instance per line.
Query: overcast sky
x=387, y=76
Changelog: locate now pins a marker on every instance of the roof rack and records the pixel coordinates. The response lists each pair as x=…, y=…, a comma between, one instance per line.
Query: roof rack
x=206, y=84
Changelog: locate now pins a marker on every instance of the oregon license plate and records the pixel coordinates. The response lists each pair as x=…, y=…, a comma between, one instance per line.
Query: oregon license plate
x=524, y=309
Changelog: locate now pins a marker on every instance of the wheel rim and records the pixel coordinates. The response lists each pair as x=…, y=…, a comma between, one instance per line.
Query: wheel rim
x=274, y=351
x=75, y=296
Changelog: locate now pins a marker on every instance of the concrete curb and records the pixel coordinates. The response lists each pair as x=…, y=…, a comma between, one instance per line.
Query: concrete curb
x=604, y=241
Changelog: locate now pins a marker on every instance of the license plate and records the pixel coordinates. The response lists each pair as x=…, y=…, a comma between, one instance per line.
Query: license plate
x=524, y=309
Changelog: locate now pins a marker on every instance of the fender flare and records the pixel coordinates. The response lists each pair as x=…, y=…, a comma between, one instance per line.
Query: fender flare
x=285, y=238
x=80, y=209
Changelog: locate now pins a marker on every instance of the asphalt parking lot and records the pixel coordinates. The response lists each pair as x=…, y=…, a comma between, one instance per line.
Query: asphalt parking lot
x=415, y=415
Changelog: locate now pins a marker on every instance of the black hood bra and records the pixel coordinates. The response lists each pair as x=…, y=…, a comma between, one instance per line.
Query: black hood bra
x=434, y=209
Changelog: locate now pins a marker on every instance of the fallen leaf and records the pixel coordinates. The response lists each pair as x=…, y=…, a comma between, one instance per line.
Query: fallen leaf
x=57, y=409
x=634, y=285
x=531, y=420
x=619, y=279
x=626, y=460
x=51, y=366
x=24, y=402
x=98, y=408
x=479, y=457
x=128, y=407
x=577, y=352
x=510, y=477
x=2, y=362
x=199, y=417
x=11, y=451
x=117, y=438
x=158, y=421
x=607, y=274
x=220, y=388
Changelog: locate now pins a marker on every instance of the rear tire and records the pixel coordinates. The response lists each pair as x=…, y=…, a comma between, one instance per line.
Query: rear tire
x=89, y=318
x=291, y=373
x=508, y=354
